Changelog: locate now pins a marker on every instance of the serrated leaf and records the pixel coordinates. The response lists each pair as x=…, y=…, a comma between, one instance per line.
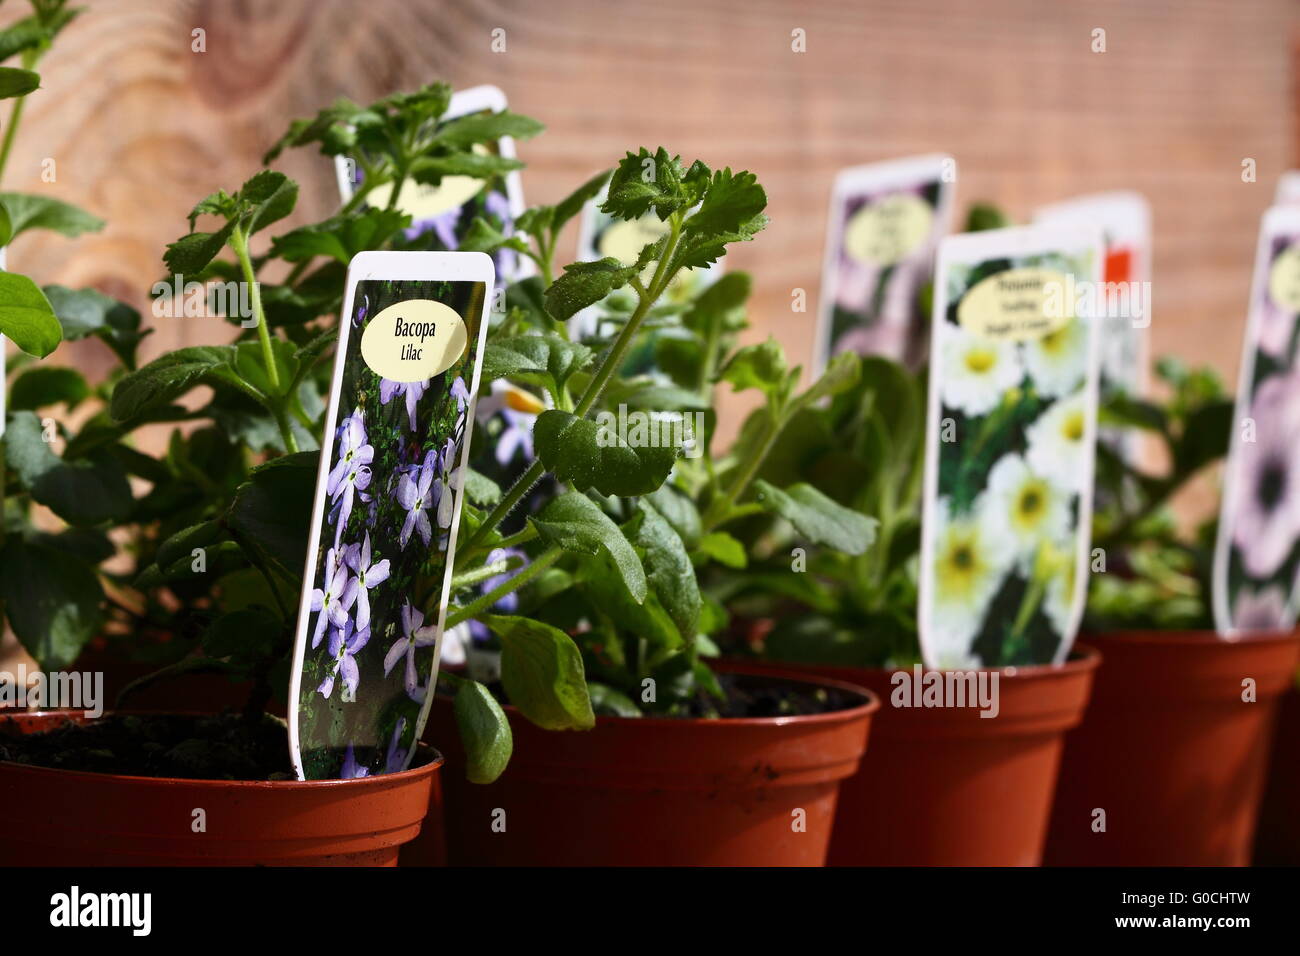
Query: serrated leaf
x=670, y=572
x=760, y=366
x=544, y=359
x=190, y=255
x=43, y=212
x=724, y=549
x=585, y=283
x=83, y=492
x=817, y=518
x=591, y=455
x=575, y=523
x=484, y=732
x=170, y=376
x=480, y=489
x=542, y=673
x=466, y=131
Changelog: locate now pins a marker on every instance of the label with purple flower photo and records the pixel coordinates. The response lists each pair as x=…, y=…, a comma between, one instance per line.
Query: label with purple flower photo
x=386, y=509
x=886, y=220
x=1257, y=554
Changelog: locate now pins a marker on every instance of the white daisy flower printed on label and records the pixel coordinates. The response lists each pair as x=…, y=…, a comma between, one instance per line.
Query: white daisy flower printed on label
x=1058, y=361
x=971, y=558
x=1057, y=446
x=976, y=371
x=1028, y=507
x=1055, y=565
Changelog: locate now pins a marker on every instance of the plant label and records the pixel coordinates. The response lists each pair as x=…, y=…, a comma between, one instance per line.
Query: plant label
x=1287, y=190
x=1257, y=554
x=886, y=220
x=442, y=214
x=388, y=500
x=601, y=236
x=1125, y=222
x=1009, y=458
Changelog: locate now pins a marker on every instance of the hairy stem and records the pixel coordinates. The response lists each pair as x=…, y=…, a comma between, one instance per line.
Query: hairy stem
x=486, y=602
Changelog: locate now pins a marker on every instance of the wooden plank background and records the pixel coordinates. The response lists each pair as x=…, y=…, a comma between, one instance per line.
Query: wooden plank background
x=141, y=127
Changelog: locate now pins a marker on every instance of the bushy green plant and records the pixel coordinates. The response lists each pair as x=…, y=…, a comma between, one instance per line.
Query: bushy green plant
x=1157, y=576
x=592, y=598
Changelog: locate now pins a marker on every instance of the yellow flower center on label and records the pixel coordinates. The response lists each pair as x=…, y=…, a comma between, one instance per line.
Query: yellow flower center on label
x=1072, y=426
x=981, y=360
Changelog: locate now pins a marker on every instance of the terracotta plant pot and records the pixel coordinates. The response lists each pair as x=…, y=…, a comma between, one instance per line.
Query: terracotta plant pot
x=1170, y=751
x=943, y=786
x=67, y=818
x=657, y=791
x=1277, y=839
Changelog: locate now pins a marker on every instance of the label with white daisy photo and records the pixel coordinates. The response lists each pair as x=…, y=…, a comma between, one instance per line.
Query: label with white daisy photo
x=388, y=495
x=1009, y=455
x=1257, y=554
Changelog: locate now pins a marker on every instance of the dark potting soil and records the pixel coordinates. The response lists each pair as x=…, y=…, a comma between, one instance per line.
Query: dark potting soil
x=752, y=696
x=222, y=747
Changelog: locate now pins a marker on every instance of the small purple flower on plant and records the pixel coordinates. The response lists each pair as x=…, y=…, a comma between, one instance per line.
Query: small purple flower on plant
x=510, y=603
x=447, y=488
x=396, y=759
x=413, y=391
x=352, y=473
x=357, y=557
x=415, y=495
x=414, y=635
x=460, y=392
x=329, y=599
x=344, y=644
x=351, y=770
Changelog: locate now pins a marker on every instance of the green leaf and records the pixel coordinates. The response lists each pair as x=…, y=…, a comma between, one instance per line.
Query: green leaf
x=6, y=226
x=181, y=545
x=485, y=237
x=679, y=510
x=484, y=166
x=670, y=572
x=594, y=456
x=26, y=316
x=270, y=196
x=190, y=255
x=760, y=366
x=730, y=205
x=26, y=34
x=85, y=312
x=244, y=636
x=818, y=518
x=480, y=489
x=643, y=181
x=575, y=523
x=484, y=732
x=842, y=373
x=44, y=385
x=52, y=599
x=271, y=512
x=341, y=237
x=724, y=549
x=542, y=673
x=467, y=131
x=82, y=492
x=170, y=376
x=546, y=359
x=572, y=204
x=41, y=212
x=585, y=283
x=16, y=82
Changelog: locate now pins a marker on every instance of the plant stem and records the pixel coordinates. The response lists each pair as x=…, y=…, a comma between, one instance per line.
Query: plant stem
x=486, y=602
x=29, y=60
x=718, y=509
x=239, y=243
x=480, y=574
x=595, y=388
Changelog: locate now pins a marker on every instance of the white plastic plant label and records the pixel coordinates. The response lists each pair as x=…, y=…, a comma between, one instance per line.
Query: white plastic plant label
x=1125, y=221
x=1257, y=554
x=449, y=209
x=388, y=500
x=886, y=220
x=1009, y=456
